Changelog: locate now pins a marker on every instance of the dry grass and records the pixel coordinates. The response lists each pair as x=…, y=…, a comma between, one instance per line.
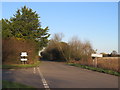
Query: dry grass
x=111, y=63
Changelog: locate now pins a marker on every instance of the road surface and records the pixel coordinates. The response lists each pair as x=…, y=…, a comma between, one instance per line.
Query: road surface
x=59, y=75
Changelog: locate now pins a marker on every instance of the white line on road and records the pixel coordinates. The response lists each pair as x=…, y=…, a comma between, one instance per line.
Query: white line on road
x=34, y=71
x=43, y=80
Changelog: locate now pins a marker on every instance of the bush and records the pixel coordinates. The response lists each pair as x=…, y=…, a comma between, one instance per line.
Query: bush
x=12, y=47
x=53, y=53
x=74, y=50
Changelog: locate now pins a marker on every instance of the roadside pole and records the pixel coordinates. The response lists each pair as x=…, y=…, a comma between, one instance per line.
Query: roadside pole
x=96, y=62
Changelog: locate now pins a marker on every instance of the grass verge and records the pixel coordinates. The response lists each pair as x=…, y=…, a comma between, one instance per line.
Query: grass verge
x=96, y=69
x=9, y=84
x=15, y=66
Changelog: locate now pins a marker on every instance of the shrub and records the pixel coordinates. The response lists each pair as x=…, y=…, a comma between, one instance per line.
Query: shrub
x=12, y=47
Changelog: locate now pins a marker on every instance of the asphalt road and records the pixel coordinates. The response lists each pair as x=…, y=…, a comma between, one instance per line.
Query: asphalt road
x=59, y=75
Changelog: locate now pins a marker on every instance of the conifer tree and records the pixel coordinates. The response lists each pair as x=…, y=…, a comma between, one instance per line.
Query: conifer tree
x=26, y=24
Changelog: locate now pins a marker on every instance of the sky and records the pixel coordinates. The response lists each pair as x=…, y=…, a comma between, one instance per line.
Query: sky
x=93, y=21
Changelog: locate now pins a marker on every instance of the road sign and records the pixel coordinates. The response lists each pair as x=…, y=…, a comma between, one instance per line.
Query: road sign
x=24, y=54
x=23, y=57
x=96, y=55
x=95, y=58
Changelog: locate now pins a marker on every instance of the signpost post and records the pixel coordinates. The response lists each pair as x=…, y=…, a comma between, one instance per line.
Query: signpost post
x=24, y=57
x=95, y=58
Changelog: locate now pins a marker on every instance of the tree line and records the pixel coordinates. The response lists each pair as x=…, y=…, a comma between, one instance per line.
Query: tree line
x=23, y=32
x=75, y=49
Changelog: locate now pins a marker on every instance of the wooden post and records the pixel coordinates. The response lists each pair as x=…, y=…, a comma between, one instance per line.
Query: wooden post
x=93, y=62
x=96, y=62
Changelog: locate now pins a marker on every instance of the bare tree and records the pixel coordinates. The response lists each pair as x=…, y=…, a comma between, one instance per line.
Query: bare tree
x=79, y=50
x=56, y=46
x=58, y=37
x=75, y=48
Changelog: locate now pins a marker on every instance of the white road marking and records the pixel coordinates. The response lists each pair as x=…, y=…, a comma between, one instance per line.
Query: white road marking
x=43, y=80
x=47, y=87
x=34, y=71
x=45, y=84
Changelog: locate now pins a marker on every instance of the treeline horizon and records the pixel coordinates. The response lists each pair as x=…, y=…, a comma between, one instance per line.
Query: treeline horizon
x=24, y=30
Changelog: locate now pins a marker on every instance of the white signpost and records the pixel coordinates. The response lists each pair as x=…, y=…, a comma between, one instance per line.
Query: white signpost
x=96, y=56
x=24, y=57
